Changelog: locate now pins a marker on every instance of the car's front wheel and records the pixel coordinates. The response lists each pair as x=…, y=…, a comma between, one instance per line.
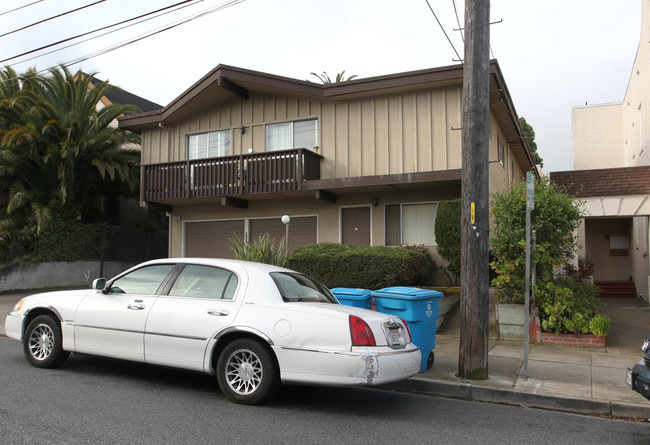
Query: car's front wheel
x=247, y=372
x=43, y=343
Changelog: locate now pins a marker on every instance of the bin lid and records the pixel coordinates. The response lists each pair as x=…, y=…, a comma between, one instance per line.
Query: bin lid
x=407, y=293
x=348, y=292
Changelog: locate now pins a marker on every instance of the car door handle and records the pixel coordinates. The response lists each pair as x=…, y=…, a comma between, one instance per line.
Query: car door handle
x=136, y=307
x=218, y=313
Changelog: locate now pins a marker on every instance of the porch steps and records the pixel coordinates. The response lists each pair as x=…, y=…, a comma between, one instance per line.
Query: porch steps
x=616, y=289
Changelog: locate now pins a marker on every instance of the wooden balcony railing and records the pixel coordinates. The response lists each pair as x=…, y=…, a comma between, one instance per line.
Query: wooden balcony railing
x=277, y=171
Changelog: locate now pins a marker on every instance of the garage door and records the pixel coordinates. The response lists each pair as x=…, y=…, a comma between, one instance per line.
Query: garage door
x=210, y=239
x=302, y=230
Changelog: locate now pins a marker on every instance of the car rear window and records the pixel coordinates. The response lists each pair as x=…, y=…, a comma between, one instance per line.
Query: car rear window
x=295, y=287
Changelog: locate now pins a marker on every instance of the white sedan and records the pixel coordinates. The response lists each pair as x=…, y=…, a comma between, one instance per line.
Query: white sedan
x=252, y=325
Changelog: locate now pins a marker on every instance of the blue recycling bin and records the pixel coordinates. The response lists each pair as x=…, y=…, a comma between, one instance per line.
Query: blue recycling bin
x=419, y=307
x=353, y=297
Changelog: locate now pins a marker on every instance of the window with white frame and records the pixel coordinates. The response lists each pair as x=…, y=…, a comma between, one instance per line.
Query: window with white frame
x=288, y=135
x=208, y=145
x=410, y=224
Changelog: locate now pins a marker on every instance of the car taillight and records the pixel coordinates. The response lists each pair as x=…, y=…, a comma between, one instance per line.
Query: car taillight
x=360, y=332
x=406, y=325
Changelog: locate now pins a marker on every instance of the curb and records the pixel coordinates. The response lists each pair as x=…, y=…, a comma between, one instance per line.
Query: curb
x=471, y=391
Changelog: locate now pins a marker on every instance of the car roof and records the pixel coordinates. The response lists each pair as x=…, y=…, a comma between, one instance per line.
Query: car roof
x=221, y=262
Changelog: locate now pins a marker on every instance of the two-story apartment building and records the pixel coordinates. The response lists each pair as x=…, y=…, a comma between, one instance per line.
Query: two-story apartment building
x=611, y=176
x=363, y=162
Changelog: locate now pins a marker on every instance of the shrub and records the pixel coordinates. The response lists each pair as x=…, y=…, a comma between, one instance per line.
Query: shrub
x=600, y=324
x=261, y=250
x=555, y=217
x=448, y=236
x=570, y=306
x=16, y=243
x=585, y=269
x=375, y=267
x=71, y=241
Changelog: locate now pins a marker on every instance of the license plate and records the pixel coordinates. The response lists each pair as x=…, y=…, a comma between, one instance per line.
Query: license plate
x=396, y=337
x=629, y=378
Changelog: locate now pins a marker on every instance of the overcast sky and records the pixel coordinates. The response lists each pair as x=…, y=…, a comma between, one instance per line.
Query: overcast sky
x=554, y=54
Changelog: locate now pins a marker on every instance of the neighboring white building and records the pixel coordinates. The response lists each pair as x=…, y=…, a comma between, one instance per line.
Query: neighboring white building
x=611, y=161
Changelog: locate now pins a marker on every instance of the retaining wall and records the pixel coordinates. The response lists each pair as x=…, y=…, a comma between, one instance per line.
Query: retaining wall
x=28, y=276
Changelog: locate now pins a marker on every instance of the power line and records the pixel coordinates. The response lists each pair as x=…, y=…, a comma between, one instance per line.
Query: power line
x=106, y=50
x=97, y=30
x=460, y=28
x=20, y=7
x=52, y=18
x=444, y=32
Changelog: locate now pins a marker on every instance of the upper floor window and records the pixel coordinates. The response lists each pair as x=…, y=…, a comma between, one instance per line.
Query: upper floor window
x=288, y=135
x=208, y=145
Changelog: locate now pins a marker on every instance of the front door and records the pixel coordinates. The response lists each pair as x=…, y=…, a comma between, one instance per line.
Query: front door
x=111, y=323
x=355, y=225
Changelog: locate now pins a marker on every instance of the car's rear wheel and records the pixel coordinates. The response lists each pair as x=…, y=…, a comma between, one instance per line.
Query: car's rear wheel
x=43, y=343
x=247, y=372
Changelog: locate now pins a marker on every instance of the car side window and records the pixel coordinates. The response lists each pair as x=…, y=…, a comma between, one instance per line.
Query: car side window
x=143, y=281
x=197, y=281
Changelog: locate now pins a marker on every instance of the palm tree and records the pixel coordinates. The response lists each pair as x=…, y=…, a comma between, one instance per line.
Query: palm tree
x=340, y=77
x=57, y=149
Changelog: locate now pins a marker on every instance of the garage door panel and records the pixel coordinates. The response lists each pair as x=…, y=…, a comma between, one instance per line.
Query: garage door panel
x=302, y=230
x=211, y=239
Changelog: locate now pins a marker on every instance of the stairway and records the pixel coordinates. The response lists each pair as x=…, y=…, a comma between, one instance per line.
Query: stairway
x=616, y=289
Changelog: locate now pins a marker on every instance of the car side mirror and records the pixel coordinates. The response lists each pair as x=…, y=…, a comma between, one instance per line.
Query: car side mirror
x=99, y=284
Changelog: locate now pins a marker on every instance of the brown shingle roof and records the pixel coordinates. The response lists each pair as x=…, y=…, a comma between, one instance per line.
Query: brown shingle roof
x=605, y=182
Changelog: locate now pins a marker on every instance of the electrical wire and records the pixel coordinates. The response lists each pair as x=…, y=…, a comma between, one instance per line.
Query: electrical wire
x=53, y=17
x=178, y=7
x=122, y=44
x=20, y=7
x=444, y=32
x=460, y=28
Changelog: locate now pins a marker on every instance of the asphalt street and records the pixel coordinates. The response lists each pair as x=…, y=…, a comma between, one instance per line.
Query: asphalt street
x=102, y=401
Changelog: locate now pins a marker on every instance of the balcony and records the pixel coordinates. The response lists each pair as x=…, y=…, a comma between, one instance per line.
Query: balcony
x=230, y=176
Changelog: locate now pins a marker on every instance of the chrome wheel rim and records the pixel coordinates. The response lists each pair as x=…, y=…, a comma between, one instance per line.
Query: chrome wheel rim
x=244, y=372
x=41, y=342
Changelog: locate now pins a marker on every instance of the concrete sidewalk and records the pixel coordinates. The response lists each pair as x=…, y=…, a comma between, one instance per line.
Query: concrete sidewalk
x=559, y=378
x=581, y=380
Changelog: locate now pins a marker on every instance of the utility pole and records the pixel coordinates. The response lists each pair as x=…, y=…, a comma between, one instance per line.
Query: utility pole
x=474, y=302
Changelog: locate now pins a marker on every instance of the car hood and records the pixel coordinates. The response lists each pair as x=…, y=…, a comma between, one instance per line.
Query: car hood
x=58, y=299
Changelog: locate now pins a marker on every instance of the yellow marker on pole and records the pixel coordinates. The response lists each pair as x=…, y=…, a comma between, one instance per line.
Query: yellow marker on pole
x=473, y=213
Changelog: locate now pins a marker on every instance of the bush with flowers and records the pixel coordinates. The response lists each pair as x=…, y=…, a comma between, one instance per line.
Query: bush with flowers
x=555, y=217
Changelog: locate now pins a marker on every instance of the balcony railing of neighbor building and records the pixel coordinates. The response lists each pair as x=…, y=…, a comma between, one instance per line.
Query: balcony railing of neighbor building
x=269, y=172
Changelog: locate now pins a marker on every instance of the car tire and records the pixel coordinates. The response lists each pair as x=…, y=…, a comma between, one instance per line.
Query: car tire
x=247, y=372
x=43, y=343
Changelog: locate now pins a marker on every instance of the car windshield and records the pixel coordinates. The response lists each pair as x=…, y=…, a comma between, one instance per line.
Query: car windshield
x=295, y=287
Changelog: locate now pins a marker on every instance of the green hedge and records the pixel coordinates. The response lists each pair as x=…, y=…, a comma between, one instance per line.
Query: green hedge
x=376, y=267
x=71, y=241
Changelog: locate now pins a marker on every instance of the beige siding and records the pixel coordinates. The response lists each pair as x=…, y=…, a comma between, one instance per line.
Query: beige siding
x=392, y=134
x=367, y=150
x=439, y=127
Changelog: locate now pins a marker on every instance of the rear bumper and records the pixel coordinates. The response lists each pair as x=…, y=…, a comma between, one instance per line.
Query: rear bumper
x=363, y=366
x=639, y=379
